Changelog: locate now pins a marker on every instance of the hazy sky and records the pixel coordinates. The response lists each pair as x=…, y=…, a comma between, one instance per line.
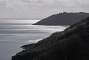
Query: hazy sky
x=40, y=8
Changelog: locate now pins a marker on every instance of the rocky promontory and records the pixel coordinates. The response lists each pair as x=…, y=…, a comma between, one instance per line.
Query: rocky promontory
x=64, y=18
x=70, y=44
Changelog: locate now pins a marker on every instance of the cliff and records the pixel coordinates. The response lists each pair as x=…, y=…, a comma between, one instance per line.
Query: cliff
x=63, y=19
x=70, y=44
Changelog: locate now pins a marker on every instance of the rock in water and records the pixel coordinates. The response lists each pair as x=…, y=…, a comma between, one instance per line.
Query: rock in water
x=70, y=44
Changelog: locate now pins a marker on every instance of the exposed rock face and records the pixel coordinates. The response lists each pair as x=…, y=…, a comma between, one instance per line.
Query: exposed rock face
x=70, y=44
x=63, y=19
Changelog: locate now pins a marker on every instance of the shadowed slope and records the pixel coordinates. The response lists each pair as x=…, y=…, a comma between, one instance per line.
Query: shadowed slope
x=70, y=44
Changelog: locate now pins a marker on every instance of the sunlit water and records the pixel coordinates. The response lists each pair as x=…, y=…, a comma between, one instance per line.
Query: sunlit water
x=15, y=33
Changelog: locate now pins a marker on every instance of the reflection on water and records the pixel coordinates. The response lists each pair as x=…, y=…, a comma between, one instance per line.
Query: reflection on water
x=26, y=32
x=14, y=34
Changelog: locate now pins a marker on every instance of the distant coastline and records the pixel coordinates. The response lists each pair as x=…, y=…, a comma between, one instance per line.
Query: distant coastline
x=65, y=18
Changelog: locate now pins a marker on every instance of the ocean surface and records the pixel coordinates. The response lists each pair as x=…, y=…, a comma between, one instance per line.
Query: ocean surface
x=15, y=33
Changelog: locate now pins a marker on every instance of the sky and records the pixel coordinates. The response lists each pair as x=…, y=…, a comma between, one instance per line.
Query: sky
x=36, y=9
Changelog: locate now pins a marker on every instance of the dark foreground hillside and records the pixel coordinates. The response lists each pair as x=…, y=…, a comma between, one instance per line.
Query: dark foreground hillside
x=63, y=19
x=70, y=44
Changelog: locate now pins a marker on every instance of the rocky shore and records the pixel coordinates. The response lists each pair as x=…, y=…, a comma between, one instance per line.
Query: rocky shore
x=70, y=44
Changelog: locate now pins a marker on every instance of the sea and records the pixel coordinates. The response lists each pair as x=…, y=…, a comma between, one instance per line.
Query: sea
x=16, y=33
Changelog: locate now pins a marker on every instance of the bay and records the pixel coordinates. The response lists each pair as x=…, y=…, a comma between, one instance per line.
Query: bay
x=15, y=33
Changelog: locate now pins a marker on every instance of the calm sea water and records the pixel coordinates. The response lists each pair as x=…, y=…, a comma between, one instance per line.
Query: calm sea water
x=15, y=33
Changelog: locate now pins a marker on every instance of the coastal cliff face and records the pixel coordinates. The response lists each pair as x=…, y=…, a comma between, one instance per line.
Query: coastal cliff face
x=70, y=44
x=63, y=18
